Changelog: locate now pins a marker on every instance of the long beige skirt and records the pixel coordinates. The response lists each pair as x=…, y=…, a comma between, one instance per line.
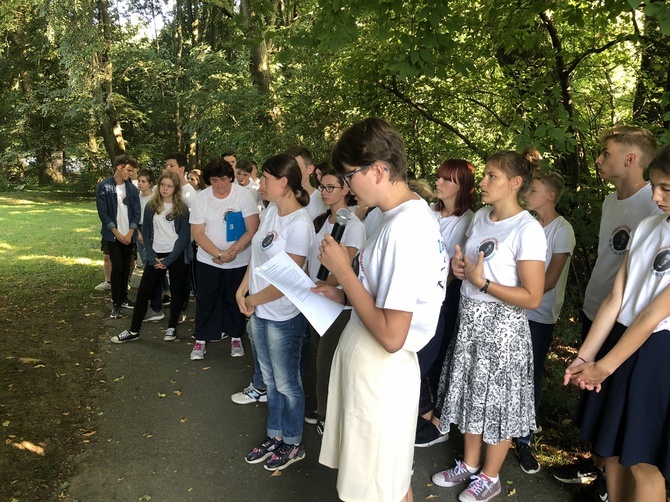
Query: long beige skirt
x=373, y=402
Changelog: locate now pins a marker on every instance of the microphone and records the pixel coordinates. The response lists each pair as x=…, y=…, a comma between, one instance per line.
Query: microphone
x=342, y=217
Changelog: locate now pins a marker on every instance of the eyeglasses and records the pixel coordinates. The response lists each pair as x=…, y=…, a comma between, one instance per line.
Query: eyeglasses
x=348, y=176
x=327, y=188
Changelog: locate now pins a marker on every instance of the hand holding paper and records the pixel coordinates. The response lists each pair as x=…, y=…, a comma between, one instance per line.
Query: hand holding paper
x=285, y=274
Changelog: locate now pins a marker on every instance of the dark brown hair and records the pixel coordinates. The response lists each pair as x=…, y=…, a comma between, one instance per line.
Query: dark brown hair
x=462, y=173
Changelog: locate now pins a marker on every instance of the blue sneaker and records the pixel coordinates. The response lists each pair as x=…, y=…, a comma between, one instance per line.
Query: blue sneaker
x=263, y=450
x=285, y=456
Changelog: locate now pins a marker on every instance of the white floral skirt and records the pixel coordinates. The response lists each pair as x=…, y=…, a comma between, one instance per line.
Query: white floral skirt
x=486, y=385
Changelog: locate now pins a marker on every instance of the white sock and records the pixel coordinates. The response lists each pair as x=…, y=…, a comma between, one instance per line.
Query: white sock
x=495, y=480
x=471, y=470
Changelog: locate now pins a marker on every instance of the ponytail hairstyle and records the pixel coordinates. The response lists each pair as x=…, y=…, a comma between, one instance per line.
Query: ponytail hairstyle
x=514, y=164
x=156, y=201
x=462, y=173
x=285, y=166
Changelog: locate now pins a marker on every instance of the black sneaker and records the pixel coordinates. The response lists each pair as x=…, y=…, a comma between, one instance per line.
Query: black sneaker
x=599, y=488
x=428, y=435
x=284, y=456
x=581, y=472
x=527, y=460
x=320, y=427
x=116, y=312
x=128, y=304
x=263, y=450
x=166, y=300
x=312, y=417
x=125, y=336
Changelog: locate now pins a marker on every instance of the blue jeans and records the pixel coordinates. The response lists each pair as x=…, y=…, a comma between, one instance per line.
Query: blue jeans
x=278, y=346
x=541, y=337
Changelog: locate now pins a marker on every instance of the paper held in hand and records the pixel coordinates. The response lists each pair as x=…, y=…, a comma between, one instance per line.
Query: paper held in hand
x=290, y=279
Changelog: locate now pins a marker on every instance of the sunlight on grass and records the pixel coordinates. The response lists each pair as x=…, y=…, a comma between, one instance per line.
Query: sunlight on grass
x=6, y=245
x=63, y=260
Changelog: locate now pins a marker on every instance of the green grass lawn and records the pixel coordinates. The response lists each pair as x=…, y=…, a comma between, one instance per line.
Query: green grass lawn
x=50, y=260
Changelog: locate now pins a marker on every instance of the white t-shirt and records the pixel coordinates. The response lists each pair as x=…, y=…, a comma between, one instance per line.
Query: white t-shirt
x=619, y=219
x=373, y=220
x=404, y=265
x=253, y=190
x=354, y=237
x=648, y=268
x=316, y=205
x=504, y=243
x=212, y=211
x=188, y=195
x=143, y=204
x=165, y=234
x=453, y=229
x=122, y=221
x=560, y=239
x=293, y=233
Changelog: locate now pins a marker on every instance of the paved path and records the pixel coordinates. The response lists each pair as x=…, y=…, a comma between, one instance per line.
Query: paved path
x=168, y=432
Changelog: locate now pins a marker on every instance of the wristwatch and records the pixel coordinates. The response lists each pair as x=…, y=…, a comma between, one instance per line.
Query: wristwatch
x=485, y=288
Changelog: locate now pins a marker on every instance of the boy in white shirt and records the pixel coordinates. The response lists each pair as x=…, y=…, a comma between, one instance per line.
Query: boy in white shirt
x=545, y=191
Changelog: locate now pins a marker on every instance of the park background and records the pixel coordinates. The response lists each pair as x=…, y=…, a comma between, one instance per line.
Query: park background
x=82, y=81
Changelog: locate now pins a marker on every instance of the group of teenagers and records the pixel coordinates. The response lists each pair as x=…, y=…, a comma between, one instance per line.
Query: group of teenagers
x=449, y=311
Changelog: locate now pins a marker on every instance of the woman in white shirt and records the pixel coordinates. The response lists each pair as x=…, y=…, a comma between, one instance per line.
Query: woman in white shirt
x=456, y=199
x=276, y=327
x=224, y=218
x=486, y=387
x=335, y=194
x=396, y=288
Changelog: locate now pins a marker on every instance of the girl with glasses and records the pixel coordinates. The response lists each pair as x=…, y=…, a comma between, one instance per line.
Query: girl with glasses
x=396, y=288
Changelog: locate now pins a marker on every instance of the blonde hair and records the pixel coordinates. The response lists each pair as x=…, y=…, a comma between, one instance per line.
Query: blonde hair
x=422, y=189
x=156, y=202
x=552, y=180
x=637, y=137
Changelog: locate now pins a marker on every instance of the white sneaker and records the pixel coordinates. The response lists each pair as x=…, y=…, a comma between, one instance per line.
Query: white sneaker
x=103, y=286
x=198, y=351
x=153, y=315
x=236, y=349
x=171, y=335
x=250, y=395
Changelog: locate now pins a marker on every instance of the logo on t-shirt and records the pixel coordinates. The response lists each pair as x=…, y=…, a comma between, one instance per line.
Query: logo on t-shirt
x=619, y=239
x=661, y=264
x=169, y=216
x=489, y=247
x=268, y=240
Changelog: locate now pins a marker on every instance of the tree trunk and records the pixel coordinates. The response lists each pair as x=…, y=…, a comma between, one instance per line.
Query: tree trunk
x=110, y=127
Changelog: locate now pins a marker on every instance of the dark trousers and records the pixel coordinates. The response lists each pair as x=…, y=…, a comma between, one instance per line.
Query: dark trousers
x=152, y=277
x=541, y=336
x=119, y=255
x=216, y=309
x=446, y=325
x=325, y=351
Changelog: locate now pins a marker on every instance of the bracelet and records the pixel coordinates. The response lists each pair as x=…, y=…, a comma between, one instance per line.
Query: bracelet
x=484, y=289
x=580, y=357
x=219, y=255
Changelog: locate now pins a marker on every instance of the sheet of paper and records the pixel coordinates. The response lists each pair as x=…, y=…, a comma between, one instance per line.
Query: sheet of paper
x=290, y=279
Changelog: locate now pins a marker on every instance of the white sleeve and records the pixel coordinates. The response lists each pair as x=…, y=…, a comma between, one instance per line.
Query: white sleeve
x=247, y=204
x=299, y=238
x=198, y=209
x=354, y=235
x=533, y=242
x=564, y=240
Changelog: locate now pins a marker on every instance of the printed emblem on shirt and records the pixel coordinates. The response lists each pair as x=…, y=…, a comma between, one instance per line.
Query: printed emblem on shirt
x=661, y=264
x=489, y=247
x=169, y=216
x=619, y=239
x=269, y=240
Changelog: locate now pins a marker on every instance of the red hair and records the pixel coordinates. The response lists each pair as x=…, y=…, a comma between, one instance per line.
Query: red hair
x=463, y=174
